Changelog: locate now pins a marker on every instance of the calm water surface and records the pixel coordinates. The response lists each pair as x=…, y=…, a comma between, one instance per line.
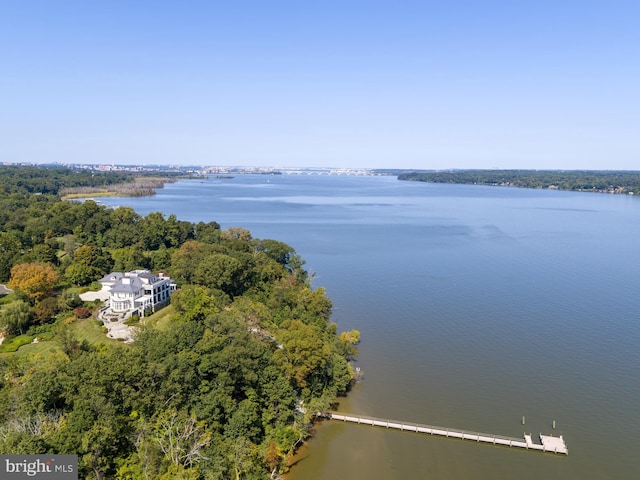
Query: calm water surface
x=477, y=305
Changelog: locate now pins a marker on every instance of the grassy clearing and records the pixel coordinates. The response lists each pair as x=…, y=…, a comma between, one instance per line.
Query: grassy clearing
x=34, y=349
x=160, y=319
x=88, y=329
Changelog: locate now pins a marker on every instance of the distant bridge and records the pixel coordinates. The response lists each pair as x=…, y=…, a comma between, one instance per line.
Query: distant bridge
x=327, y=171
x=548, y=443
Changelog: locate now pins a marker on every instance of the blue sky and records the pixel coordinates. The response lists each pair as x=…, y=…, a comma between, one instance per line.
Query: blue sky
x=402, y=84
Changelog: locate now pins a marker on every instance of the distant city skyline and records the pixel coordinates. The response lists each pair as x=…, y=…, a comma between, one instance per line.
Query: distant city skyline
x=408, y=85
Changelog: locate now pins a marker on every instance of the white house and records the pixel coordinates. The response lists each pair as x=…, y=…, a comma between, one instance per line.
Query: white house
x=137, y=291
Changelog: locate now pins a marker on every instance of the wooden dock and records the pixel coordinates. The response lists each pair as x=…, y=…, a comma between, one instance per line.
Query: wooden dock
x=548, y=443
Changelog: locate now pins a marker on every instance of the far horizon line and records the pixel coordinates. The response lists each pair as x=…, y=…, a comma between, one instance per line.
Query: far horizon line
x=302, y=167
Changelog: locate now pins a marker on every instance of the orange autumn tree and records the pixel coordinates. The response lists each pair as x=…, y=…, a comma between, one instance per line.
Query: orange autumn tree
x=34, y=280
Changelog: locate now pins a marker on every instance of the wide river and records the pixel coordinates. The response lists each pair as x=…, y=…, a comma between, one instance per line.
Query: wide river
x=477, y=306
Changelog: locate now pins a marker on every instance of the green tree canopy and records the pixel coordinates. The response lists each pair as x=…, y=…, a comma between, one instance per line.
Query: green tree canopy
x=89, y=264
x=16, y=317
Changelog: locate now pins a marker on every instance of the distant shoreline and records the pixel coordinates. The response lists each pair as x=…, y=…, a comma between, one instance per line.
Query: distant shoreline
x=613, y=182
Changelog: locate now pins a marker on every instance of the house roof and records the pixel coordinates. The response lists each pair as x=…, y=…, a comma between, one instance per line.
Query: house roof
x=129, y=287
x=130, y=281
x=111, y=277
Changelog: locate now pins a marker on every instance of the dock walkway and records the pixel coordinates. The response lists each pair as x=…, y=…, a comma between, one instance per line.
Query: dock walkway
x=548, y=443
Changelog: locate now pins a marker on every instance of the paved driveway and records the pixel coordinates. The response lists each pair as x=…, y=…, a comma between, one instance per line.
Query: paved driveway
x=116, y=326
x=91, y=296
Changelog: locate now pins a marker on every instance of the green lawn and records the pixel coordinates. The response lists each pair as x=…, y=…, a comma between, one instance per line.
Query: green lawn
x=88, y=329
x=161, y=318
x=42, y=348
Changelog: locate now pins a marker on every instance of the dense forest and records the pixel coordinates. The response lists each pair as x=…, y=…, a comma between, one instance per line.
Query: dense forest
x=577, y=180
x=221, y=384
x=50, y=180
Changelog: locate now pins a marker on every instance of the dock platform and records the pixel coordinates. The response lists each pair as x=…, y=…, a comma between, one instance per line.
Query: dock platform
x=548, y=443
